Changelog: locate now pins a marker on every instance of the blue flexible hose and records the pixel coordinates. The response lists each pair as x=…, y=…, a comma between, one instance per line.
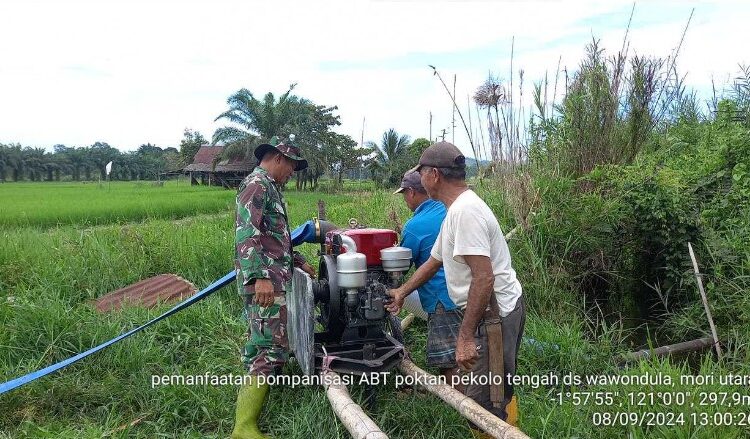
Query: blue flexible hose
x=20, y=381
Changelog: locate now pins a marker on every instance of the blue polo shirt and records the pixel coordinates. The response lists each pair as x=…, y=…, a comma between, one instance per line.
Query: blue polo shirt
x=419, y=234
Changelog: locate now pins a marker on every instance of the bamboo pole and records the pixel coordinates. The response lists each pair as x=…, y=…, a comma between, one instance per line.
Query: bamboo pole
x=705, y=301
x=359, y=425
x=466, y=406
x=685, y=346
x=407, y=321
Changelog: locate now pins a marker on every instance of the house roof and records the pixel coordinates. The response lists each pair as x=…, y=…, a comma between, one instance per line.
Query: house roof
x=204, y=158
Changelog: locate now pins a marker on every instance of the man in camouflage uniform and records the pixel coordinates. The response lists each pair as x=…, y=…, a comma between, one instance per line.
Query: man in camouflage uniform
x=264, y=264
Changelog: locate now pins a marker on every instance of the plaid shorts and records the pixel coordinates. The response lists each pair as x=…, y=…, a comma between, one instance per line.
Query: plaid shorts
x=442, y=332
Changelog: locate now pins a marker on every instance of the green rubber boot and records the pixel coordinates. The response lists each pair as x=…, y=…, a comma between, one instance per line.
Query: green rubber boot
x=249, y=404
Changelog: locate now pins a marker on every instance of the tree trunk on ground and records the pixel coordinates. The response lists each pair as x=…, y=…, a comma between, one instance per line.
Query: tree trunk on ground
x=351, y=415
x=466, y=406
x=685, y=346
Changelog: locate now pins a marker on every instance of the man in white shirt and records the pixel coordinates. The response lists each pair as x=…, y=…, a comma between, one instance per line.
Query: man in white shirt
x=481, y=281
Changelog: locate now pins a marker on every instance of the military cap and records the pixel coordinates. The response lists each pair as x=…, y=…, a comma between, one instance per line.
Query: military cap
x=286, y=147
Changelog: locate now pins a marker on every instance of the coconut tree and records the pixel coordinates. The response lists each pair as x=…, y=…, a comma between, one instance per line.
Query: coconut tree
x=385, y=164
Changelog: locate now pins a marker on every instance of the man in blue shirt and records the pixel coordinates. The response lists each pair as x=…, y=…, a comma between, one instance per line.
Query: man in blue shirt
x=419, y=234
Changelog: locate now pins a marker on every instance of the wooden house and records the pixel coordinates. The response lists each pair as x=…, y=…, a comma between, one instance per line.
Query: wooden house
x=208, y=169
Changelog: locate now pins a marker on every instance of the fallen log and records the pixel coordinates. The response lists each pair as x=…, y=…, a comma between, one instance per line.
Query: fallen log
x=359, y=425
x=466, y=406
x=685, y=346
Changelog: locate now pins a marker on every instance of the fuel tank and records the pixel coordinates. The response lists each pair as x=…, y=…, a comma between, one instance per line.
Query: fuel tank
x=369, y=242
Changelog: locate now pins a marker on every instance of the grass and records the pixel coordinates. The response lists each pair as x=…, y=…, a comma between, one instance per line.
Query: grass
x=48, y=277
x=51, y=204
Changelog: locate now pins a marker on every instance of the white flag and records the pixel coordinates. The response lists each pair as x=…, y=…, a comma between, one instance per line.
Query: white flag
x=109, y=168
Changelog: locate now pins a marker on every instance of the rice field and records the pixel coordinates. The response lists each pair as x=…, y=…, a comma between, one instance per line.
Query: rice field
x=88, y=203
x=53, y=263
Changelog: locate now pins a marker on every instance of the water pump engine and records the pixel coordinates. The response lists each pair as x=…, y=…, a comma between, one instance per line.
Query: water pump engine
x=353, y=333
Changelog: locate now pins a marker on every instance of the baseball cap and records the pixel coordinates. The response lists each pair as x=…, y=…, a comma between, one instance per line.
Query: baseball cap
x=441, y=155
x=411, y=180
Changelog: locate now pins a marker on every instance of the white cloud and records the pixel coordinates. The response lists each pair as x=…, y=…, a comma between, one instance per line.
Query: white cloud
x=136, y=72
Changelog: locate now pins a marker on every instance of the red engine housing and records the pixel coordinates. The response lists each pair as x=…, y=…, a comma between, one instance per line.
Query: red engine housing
x=369, y=241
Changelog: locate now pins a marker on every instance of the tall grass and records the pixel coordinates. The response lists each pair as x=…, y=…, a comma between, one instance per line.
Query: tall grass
x=607, y=114
x=46, y=317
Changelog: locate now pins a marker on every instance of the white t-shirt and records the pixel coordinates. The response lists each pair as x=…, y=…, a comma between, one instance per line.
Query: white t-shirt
x=470, y=228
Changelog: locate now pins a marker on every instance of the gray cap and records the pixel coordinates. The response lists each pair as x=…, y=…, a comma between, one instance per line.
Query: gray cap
x=441, y=155
x=411, y=180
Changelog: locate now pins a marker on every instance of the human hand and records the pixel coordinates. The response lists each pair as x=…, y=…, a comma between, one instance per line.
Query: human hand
x=307, y=268
x=263, y=292
x=466, y=353
x=398, y=300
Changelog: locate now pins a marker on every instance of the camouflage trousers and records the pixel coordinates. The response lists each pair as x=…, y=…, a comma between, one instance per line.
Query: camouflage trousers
x=267, y=346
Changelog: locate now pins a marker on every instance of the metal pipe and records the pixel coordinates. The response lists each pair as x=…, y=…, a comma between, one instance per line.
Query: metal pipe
x=351, y=246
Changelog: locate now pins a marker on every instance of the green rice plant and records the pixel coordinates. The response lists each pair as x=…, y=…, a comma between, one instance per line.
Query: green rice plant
x=50, y=204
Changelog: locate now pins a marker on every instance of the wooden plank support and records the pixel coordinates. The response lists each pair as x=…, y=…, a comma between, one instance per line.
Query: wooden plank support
x=356, y=421
x=466, y=406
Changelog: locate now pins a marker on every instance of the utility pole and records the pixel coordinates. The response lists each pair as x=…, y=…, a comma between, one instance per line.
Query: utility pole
x=453, y=109
x=430, y=126
x=361, y=145
x=362, y=139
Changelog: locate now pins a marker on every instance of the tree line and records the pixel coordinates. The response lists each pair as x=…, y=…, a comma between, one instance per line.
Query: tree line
x=18, y=163
x=250, y=122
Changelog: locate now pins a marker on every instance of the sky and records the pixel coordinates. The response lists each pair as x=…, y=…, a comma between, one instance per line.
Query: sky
x=135, y=72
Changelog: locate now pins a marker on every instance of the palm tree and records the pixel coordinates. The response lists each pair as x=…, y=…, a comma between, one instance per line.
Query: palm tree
x=392, y=146
x=254, y=121
x=79, y=159
x=4, y=159
x=15, y=161
x=35, y=162
x=59, y=165
x=101, y=153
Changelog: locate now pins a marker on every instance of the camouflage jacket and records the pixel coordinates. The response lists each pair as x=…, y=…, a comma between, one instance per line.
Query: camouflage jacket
x=262, y=238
